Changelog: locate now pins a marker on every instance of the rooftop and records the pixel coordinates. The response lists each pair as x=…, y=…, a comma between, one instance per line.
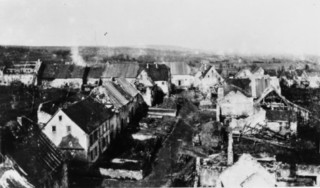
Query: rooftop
x=157, y=72
x=88, y=114
x=34, y=152
x=54, y=71
x=115, y=70
x=179, y=68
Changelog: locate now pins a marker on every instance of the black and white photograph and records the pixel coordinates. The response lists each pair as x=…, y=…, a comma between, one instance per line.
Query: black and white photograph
x=159, y=93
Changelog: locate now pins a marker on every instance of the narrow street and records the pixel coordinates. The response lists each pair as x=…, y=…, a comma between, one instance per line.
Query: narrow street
x=166, y=160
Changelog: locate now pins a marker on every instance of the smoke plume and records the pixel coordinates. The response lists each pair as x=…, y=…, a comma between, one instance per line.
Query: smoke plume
x=76, y=57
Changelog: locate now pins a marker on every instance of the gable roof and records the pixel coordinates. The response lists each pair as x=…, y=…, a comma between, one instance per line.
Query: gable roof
x=129, y=88
x=115, y=70
x=62, y=71
x=88, y=114
x=179, y=68
x=157, y=72
x=271, y=89
x=206, y=70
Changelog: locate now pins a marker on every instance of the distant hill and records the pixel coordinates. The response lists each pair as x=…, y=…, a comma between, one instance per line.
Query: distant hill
x=148, y=53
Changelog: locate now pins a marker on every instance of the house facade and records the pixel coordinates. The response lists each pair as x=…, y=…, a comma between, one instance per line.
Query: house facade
x=181, y=75
x=234, y=104
x=207, y=79
x=86, y=128
x=25, y=72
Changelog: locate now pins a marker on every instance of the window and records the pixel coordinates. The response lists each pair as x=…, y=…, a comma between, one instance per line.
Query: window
x=95, y=151
x=68, y=129
x=60, y=118
x=91, y=155
x=162, y=83
x=179, y=82
x=53, y=128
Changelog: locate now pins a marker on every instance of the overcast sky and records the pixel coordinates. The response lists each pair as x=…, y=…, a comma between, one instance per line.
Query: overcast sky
x=245, y=26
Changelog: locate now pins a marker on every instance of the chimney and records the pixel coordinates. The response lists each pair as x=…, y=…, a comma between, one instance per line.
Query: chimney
x=156, y=65
x=147, y=65
x=205, y=66
x=230, y=147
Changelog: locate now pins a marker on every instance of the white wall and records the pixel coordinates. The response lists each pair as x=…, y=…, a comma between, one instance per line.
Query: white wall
x=186, y=80
x=59, y=83
x=27, y=79
x=236, y=104
x=61, y=130
x=164, y=85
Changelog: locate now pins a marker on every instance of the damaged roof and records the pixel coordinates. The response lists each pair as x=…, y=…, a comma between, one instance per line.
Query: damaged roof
x=129, y=88
x=117, y=99
x=35, y=150
x=281, y=115
x=62, y=71
x=88, y=114
x=157, y=72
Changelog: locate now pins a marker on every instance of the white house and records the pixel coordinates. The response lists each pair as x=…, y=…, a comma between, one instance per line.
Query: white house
x=181, y=75
x=25, y=72
x=85, y=128
x=207, y=78
x=313, y=78
x=234, y=104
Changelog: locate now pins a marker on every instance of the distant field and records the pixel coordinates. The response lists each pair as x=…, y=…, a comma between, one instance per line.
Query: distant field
x=102, y=54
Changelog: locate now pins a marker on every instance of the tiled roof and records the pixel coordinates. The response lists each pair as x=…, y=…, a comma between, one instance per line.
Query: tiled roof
x=157, y=72
x=36, y=151
x=281, y=115
x=88, y=114
x=117, y=98
x=179, y=68
x=129, y=88
x=53, y=71
x=115, y=70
